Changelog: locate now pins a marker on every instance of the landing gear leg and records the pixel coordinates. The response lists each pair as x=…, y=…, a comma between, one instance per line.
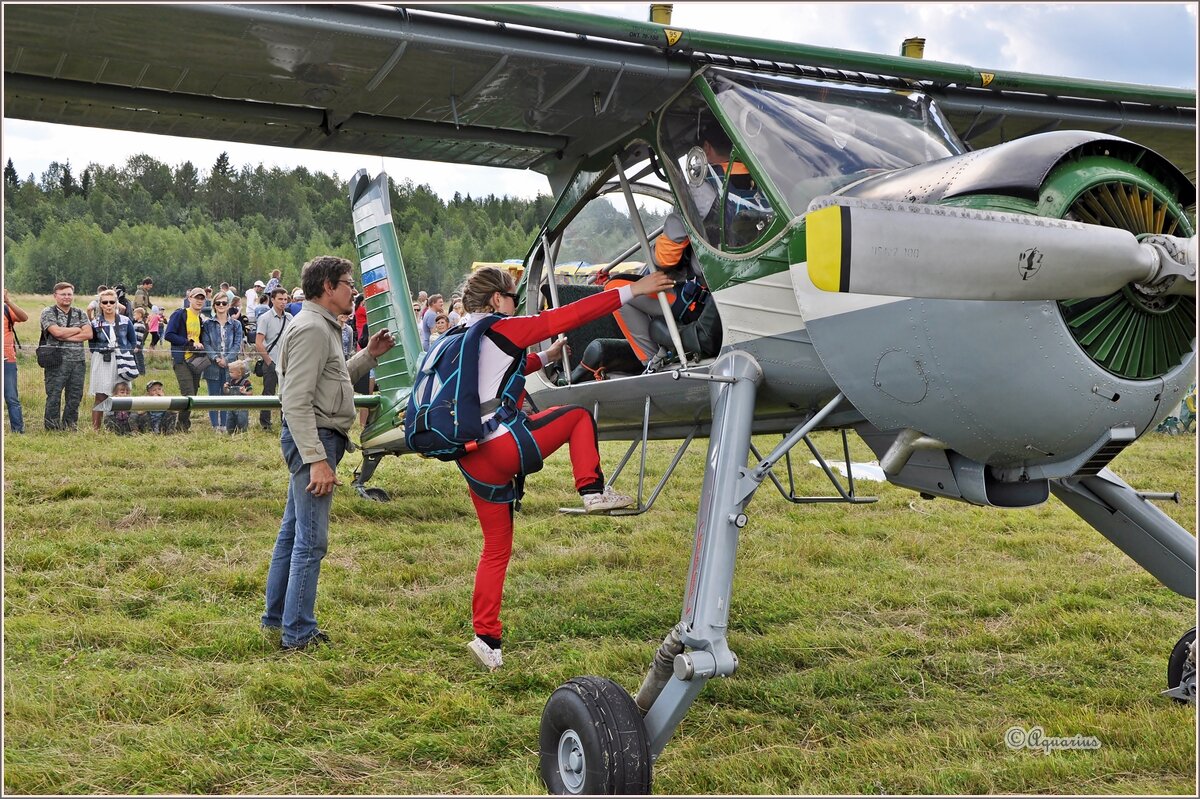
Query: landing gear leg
x=1181, y=669
x=363, y=474
x=706, y=601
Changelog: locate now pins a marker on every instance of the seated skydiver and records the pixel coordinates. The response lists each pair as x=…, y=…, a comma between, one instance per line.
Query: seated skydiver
x=672, y=254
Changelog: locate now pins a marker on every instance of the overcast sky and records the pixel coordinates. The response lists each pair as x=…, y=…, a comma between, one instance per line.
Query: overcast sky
x=1152, y=43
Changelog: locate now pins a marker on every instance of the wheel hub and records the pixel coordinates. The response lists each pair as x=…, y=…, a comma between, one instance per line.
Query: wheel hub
x=571, y=762
x=1187, y=682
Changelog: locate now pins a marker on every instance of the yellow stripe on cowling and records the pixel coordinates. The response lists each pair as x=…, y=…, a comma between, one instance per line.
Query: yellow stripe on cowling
x=824, y=245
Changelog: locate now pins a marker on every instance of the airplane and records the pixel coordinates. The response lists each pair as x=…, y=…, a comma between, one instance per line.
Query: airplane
x=988, y=276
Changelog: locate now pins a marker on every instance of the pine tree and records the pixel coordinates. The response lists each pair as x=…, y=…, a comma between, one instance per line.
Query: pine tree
x=10, y=175
x=219, y=189
x=67, y=181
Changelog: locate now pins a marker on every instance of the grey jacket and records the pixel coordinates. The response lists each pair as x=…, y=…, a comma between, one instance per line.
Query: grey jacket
x=315, y=379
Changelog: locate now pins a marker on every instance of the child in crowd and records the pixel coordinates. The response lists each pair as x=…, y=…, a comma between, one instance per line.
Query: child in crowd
x=155, y=421
x=139, y=333
x=238, y=386
x=120, y=422
x=154, y=326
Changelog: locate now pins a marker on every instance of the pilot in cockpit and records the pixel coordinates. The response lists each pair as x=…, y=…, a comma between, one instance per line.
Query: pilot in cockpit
x=672, y=252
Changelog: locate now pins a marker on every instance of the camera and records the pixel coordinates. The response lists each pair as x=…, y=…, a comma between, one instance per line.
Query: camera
x=107, y=356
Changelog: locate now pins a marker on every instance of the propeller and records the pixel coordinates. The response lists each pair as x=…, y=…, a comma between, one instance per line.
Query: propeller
x=943, y=252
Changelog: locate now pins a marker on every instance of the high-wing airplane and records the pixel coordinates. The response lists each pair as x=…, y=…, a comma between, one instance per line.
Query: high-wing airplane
x=988, y=276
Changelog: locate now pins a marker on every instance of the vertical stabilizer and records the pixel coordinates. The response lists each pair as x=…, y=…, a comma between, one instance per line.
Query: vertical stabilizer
x=388, y=299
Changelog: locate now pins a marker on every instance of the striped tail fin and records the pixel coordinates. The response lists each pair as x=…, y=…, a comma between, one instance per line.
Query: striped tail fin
x=388, y=302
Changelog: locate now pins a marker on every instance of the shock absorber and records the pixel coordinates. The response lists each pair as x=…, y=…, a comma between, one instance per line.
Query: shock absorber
x=661, y=668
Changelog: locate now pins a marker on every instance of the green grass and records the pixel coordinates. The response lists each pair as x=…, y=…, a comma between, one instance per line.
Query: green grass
x=883, y=648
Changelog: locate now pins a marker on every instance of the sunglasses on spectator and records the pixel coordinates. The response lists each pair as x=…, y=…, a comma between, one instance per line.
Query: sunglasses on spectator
x=108, y=302
x=220, y=304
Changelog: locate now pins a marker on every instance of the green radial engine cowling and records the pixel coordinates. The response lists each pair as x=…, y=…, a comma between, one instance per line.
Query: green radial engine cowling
x=1129, y=333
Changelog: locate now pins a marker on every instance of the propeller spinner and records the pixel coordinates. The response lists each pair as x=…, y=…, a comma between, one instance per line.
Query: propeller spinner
x=943, y=252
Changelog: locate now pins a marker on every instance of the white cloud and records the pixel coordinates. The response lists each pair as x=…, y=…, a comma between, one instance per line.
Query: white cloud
x=1128, y=42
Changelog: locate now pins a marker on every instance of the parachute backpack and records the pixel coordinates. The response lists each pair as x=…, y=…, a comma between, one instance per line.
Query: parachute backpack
x=444, y=415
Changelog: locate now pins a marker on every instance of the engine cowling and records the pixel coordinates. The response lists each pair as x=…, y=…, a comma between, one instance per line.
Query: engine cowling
x=1019, y=391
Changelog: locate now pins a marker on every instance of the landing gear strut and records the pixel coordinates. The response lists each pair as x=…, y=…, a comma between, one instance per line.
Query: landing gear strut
x=364, y=473
x=584, y=724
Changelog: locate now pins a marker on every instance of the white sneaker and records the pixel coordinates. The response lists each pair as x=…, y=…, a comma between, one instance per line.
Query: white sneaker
x=487, y=657
x=609, y=500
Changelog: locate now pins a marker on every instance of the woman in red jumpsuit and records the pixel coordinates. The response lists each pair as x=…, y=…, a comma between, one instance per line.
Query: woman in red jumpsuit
x=497, y=460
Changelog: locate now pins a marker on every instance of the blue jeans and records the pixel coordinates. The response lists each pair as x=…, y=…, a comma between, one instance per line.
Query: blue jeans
x=216, y=388
x=16, y=421
x=303, y=539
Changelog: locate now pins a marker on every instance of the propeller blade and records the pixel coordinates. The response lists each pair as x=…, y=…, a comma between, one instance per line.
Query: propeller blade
x=942, y=252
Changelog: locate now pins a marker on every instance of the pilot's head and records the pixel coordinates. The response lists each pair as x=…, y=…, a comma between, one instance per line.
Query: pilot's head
x=714, y=141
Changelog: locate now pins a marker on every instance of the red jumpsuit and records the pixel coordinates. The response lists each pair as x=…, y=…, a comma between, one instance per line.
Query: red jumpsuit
x=497, y=461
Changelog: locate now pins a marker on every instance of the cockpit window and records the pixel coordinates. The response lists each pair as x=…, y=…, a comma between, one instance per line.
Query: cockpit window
x=721, y=197
x=813, y=137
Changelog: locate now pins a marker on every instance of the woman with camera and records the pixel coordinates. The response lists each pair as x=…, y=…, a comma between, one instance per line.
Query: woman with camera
x=222, y=339
x=111, y=331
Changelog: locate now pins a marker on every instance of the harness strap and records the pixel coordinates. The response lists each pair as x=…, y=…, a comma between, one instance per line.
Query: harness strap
x=528, y=452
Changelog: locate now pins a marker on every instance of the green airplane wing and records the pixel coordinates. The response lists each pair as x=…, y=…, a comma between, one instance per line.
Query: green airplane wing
x=496, y=85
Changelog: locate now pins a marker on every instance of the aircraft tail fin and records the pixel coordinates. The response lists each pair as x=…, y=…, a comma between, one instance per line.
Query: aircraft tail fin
x=385, y=286
x=384, y=281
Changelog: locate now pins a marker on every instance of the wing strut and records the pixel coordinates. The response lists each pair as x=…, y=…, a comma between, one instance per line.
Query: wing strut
x=636, y=219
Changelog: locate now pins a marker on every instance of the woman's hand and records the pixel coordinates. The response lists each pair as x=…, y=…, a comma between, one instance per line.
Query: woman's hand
x=554, y=351
x=652, y=283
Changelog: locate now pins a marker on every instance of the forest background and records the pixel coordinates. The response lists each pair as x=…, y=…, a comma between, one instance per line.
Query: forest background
x=185, y=226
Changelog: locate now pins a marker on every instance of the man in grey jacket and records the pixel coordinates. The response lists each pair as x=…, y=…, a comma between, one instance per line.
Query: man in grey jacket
x=318, y=408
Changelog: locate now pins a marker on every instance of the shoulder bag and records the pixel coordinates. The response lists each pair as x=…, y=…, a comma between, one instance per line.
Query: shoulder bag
x=49, y=354
x=259, y=366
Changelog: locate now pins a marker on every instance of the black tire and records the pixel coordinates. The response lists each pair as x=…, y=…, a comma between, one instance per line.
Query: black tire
x=592, y=740
x=1178, y=661
x=378, y=495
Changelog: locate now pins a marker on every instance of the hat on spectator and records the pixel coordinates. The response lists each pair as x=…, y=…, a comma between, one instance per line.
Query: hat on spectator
x=260, y=284
x=196, y=291
x=153, y=383
x=298, y=294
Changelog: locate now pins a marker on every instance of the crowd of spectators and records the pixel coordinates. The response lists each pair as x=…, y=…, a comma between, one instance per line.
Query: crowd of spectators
x=220, y=342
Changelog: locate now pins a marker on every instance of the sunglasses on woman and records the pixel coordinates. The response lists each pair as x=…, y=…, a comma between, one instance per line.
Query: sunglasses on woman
x=220, y=304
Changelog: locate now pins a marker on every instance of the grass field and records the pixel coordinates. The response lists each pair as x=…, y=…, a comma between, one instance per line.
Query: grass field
x=884, y=648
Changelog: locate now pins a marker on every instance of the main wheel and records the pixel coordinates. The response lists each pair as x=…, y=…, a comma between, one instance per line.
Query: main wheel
x=592, y=740
x=1181, y=668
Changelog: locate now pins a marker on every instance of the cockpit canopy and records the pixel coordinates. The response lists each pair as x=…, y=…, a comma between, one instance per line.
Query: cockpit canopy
x=791, y=139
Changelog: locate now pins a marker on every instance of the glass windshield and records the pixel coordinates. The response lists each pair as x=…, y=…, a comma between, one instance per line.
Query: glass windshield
x=718, y=190
x=813, y=137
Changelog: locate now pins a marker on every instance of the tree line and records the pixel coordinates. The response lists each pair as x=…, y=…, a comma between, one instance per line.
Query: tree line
x=186, y=226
